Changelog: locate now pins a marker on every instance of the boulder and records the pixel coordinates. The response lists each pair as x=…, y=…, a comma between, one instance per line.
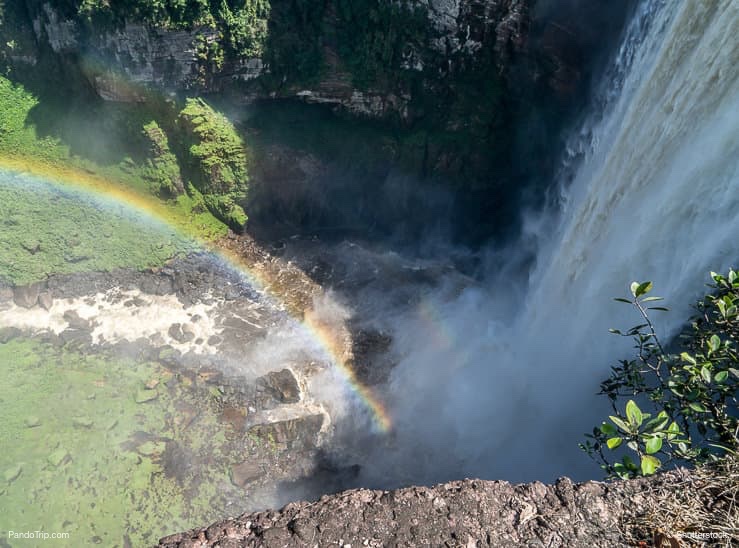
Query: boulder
x=45, y=300
x=280, y=386
x=26, y=296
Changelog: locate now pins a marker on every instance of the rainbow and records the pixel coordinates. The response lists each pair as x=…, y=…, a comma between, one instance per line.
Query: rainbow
x=156, y=210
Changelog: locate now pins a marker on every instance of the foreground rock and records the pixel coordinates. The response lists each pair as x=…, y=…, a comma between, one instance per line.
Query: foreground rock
x=465, y=513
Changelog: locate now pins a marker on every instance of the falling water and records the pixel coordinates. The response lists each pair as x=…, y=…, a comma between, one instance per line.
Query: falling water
x=653, y=193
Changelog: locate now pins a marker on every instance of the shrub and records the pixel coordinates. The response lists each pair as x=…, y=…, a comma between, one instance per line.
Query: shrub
x=161, y=169
x=218, y=160
x=691, y=393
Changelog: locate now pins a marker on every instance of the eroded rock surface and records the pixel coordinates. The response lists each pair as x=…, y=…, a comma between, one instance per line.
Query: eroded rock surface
x=467, y=513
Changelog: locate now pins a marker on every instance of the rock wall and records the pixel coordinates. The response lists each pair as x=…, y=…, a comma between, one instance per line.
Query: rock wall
x=123, y=61
x=467, y=513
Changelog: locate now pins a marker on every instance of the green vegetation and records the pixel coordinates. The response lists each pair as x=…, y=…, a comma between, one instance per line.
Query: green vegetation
x=90, y=450
x=49, y=229
x=692, y=393
x=161, y=170
x=376, y=37
x=241, y=26
x=217, y=160
x=128, y=148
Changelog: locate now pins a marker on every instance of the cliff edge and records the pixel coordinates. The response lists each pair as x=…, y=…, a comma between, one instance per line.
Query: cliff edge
x=673, y=509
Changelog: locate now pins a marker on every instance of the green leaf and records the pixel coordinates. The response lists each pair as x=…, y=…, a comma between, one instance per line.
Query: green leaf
x=634, y=286
x=651, y=299
x=629, y=463
x=660, y=308
x=697, y=407
x=654, y=444
x=623, y=425
x=672, y=431
x=621, y=471
x=619, y=299
x=721, y=377
x=657, y=423
x=643, y=289
x=706, y=374
x=634, y=414
x=607, y=429
x=649, y=465
x=612, y=443
x=688, y=358
x=615, y=331
x=734, y=372
x=714, y=343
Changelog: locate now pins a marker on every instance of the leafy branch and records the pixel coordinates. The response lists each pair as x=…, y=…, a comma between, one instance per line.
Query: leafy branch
x=692, y=394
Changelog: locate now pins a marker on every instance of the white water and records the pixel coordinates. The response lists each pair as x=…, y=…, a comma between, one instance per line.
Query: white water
x=653, y=193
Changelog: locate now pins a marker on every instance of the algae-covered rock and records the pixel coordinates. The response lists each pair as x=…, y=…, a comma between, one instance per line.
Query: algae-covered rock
x=152, y=448
x=82, y=422
x=145, y=395
x=32, y=422
x=12, y=473
x=58, y=457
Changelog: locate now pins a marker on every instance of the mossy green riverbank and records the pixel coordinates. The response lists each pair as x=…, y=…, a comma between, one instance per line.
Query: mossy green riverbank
x=90, y=445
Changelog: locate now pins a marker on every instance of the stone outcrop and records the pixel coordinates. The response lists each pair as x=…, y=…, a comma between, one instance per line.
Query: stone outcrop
x=467, y=513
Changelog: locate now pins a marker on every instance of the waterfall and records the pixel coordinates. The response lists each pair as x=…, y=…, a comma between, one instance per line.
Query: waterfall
x=649, y=190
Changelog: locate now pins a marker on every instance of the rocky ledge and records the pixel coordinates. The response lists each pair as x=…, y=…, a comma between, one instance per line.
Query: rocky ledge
x=473, y=513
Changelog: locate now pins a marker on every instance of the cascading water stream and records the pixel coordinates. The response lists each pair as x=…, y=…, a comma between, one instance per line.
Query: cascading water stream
x=654, y=194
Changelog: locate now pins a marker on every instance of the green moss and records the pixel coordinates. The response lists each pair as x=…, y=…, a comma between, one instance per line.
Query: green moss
x=73, y=232
x=217, y=160
x=161, y=168
x=110, y=479
x=123, y=145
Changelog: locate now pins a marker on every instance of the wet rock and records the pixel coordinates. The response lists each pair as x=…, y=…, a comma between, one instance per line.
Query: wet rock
x=281, y=386
x=146, y=395
x=301, y=429
x=26, y=296
x=45, y=300
x=246, y=472
x=75, y=321
x=6, y=294
x=179, y=334
x=234, y=416
x=210, y=375
x=32, y=422
x=169, y=356
x=76, y=337
x=58, y=457
x=157, y=285
x=9, y=333
x=12, y=473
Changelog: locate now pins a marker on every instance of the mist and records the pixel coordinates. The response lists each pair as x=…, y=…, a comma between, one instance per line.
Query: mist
x=498, y=378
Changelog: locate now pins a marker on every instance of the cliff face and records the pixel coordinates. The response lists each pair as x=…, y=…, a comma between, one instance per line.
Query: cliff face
x=124, y=59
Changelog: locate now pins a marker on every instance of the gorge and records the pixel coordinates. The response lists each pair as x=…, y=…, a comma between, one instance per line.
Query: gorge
x=440, y=207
